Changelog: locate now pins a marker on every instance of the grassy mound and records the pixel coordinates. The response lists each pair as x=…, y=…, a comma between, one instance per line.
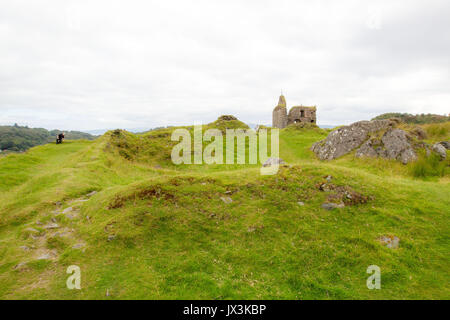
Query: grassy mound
x=154, y=230
x=227, y=122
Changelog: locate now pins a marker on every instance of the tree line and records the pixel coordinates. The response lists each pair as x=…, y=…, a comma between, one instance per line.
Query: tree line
x=17, y=138
x=414, y=118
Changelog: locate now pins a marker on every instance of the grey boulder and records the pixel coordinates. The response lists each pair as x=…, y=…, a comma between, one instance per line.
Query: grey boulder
x=398, y=147
x=440, y=150
x=393, y=144
x=331, y=206
x=346, y=139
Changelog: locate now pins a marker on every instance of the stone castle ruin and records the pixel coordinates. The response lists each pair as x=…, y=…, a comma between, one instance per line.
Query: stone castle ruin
x=297, y=114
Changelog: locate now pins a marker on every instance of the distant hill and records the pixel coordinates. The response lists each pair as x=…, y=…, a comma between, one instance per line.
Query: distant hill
x=414, y=119
x=17, y=138
x=99, y=132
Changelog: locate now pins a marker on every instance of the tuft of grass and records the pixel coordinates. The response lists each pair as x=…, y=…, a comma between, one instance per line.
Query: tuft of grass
x=39, y=265
x=438, y=131
x=428, y=166
x=56, y=243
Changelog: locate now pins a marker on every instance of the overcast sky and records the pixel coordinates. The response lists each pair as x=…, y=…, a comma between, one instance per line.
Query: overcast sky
x=124, y=64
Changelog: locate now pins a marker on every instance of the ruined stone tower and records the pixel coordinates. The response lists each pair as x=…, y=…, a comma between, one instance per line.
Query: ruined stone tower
x=279, y=114
x=297, y=114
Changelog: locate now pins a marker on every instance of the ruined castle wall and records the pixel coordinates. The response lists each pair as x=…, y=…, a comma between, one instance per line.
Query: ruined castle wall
x=279, y=117
x=301, y=114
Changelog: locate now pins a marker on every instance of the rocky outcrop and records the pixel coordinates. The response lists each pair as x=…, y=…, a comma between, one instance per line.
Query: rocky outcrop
x=440, y=150
x=348, y=138
x=388, y=142
x=369, y=149
x=397, y=146
x=420, y=133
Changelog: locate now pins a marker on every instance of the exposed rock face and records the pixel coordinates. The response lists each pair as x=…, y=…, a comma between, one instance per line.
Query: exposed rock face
x=440, y=150
x=342, y=195
x=394, y=144
x=420, y=133
x=397, y=146
x=345, y=139
x=368, y=149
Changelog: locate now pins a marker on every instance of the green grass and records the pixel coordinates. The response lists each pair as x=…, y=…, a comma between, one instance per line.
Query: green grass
x=438, y=131
x=176, y=239
x=428, y=166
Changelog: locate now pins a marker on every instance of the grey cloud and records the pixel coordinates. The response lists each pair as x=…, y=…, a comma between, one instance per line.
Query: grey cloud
x=102, y=64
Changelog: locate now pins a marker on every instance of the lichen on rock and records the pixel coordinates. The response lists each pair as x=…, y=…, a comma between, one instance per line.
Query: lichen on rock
x=377, y=138
x=346, y=139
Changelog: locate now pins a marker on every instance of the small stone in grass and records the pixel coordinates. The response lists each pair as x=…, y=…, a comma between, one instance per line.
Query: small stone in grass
x=51, y=226
x=90, y=194
x=67, y=210
x=391, y=242
x=19, y=266
x=331, y=206
x=226, y=199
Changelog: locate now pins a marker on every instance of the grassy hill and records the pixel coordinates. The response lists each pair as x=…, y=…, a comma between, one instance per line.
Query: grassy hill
x=16, y=138
x=414, y=118
x=155, y=230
